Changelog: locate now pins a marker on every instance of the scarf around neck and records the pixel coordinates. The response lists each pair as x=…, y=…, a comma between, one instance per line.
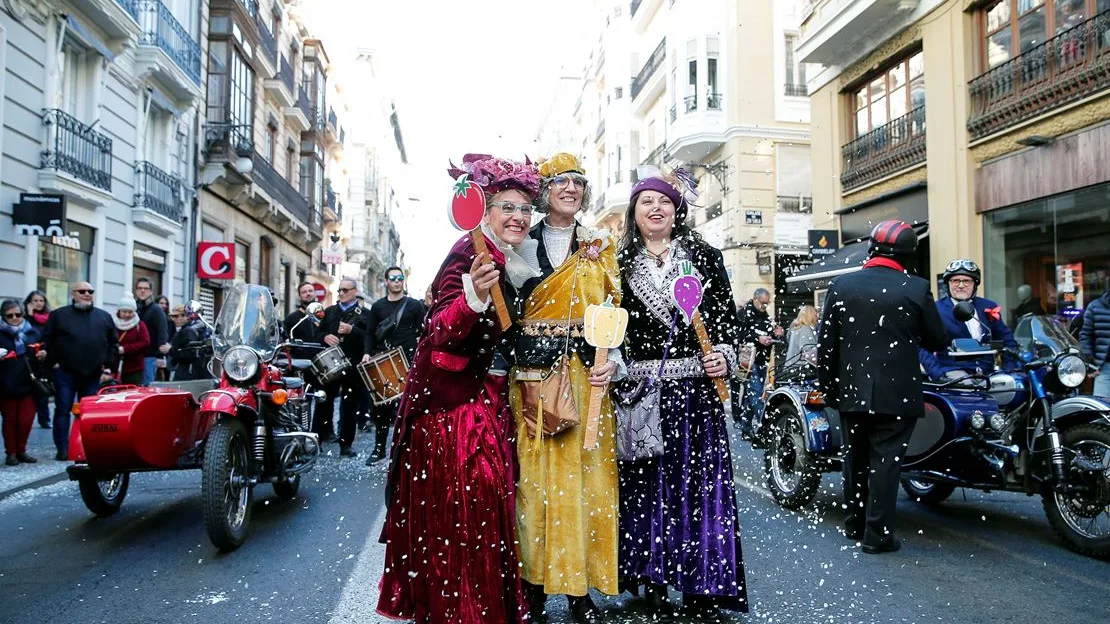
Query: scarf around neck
x=521, y=262
x=17, y=333
x=123, y=325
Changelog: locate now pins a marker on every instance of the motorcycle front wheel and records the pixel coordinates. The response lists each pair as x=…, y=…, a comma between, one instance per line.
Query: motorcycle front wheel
x=225, y=485
x=1082, y=518
x=104, y=495
x=927, y=492
x=791, y=472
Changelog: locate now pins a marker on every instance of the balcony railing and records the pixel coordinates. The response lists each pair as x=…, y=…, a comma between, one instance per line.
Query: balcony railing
x=131, y=6
x=279, y=189
x=158, y=191
x=287, y=77
x=600, y=130
x=795, y=90
x=305, y=105
x=162, y=30
x=634, y=6
x=77, y=149
x=333, y=121
x=691, y=102
x=228, y=140
x=266, y=39
x=650, y=67
x=674, y=112
x=1064, y=69
x=713, y=101
x=656, y=156
x=885, y=150
x=795, y=204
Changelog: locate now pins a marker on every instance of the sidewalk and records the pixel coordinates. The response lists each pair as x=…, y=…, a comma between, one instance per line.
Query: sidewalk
x=24, y=476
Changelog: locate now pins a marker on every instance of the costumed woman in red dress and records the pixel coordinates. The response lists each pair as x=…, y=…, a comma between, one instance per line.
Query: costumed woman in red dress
x=450, y=530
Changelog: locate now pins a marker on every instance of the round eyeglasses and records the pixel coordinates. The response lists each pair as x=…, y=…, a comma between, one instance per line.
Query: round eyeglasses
x=508, y=208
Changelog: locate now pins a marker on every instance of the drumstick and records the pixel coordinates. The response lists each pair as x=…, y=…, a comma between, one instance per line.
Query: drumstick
x=706, y=349
x=498, y=297
x=597, y=395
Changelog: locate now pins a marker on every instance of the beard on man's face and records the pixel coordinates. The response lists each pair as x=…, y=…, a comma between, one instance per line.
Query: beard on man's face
x=82, y=305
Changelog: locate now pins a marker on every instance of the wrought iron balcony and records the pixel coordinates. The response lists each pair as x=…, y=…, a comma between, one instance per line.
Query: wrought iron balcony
x=691, y=102
x=1069, y=67
x=162, y=30
x=795, y=204
x=77, y=149
x=158, y=191
x=674, y=112
x=650, y=67
x=333, y=121
x=131, y=6
x=281, y=192
x=795, y=90
x=656, y=156
x=228, y=141
x=713, y=101
x=885, y=150
x=266, y=40
x=287, y=77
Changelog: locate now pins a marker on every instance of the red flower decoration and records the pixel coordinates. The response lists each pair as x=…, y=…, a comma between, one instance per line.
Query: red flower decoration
x=995, y=313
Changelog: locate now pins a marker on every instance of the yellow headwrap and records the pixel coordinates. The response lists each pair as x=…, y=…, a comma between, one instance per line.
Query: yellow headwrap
x=560, y=163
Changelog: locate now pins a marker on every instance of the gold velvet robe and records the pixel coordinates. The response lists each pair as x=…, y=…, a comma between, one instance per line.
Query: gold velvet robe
x=567, y=496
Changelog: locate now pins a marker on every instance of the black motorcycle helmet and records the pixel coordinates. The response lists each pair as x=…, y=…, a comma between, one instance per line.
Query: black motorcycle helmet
x=964, y=267
x=893, y=238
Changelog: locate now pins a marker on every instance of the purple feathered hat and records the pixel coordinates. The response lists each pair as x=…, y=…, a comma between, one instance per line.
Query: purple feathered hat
x=495, y=174
x=679, y=186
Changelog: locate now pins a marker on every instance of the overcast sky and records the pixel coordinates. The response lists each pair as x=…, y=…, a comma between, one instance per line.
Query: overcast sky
x=471, y=76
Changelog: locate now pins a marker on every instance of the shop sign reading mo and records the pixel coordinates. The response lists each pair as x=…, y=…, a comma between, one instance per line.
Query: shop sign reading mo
x=43, y=215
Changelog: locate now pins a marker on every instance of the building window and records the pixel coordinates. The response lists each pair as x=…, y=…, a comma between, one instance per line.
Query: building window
x=64, y=260
x=269, y=139
x=890, y=94
x=1013, y=27
x=691, y=75
x=241, y=103
x=242, y=261
x=75, y=71
x=795, y=72
x=265, y=264
x=618, y=93
x=290, y=163
x=713, y=94
x=306, y=177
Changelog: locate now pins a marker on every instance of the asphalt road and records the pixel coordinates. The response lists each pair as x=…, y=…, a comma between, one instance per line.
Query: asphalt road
x=977, y=558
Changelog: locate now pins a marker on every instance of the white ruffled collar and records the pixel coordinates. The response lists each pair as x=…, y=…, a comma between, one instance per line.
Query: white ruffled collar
x=521, y=262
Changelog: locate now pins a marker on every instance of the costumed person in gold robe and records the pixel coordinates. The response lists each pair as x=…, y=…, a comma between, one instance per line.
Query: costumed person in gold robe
x=566, y=494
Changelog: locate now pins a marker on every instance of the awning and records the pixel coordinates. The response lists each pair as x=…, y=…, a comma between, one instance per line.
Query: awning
x=88, y=38
x=847, y=259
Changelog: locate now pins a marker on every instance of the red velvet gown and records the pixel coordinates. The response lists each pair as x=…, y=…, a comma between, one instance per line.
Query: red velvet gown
x=450, y=531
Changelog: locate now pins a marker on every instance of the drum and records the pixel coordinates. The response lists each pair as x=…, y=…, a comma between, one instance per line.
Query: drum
x=330, y=364
x=745, y=361
x=384, y=376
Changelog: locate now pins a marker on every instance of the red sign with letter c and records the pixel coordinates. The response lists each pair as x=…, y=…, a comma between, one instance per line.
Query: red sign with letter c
x=216, y=260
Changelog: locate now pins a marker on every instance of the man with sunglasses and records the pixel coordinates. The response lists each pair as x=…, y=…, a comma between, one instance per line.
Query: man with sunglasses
x=394, y=323
x=344, y=326
x=81, y=339
x=962, y=278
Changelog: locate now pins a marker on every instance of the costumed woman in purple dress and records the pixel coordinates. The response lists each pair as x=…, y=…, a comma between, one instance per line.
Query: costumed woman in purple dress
x=679, y=525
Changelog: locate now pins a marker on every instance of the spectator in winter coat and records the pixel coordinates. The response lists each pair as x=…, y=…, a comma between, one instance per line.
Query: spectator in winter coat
x=757, y=329
x=1094, y=341
x=134, y=340
x=165, y=369
x=17, y=403
x=151, y=314
x=36, y=309
x=81, y=340
x=188, y=360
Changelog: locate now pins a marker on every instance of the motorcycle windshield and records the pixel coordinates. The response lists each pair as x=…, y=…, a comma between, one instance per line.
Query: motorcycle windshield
x=248, y=318
x=1044, y=336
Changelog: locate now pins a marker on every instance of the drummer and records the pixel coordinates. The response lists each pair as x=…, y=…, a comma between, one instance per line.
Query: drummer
x=344, y=326
x=394, y=323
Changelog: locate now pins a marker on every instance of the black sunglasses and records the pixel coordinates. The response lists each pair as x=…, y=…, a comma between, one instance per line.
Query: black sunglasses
x=14, y=315
x=83, y=291
x=343, y=290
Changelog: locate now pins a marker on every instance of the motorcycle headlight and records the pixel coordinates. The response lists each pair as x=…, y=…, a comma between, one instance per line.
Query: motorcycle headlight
x=977, y=420
x=240, y=363
x=1071, y=371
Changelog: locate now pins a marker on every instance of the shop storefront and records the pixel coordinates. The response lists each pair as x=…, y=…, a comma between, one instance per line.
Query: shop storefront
x=64, y=260
x=150, y=263
x=1059, y=246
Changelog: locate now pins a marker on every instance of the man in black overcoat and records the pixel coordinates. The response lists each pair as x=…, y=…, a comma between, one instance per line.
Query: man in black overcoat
x=872, y=325
x=344, y=325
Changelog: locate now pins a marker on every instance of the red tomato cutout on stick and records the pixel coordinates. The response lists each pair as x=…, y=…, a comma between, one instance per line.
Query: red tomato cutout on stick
x=468, y=204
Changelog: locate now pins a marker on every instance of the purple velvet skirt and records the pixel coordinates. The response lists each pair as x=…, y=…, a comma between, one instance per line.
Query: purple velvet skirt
x=678, y=517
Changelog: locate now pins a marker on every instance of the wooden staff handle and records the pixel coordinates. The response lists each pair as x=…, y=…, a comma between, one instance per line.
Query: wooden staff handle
x=498, y=297
x=597, y=396
x=706, y=349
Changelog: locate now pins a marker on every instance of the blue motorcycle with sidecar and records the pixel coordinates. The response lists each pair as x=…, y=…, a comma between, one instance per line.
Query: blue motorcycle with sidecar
x=1025, y=430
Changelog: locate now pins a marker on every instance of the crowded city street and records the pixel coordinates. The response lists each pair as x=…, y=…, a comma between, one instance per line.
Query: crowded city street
x=978, y=558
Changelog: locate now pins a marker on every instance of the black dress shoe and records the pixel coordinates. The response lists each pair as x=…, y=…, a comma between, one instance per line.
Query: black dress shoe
x=11, y=460
x=61, y=456
x=583, y=609
x=891, y=546
x=44, y=425
x=345, y=450
x=375, y=457
x=24, y=458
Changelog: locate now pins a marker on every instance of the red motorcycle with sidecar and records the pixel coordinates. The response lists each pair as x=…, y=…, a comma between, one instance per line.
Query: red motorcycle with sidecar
x=251, y=424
